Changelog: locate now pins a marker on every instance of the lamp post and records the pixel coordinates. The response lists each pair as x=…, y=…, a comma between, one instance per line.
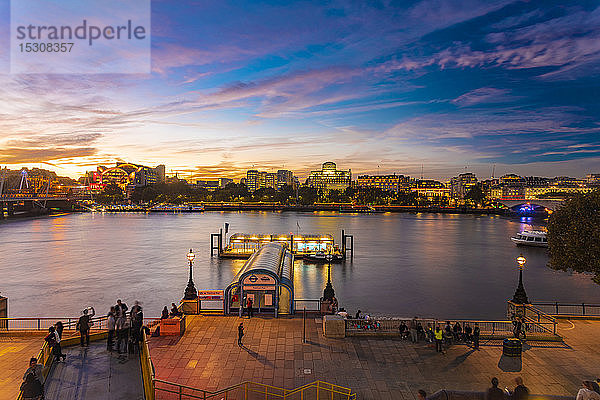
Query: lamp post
x=520, y=296
x=190, y=291
x=328, y=292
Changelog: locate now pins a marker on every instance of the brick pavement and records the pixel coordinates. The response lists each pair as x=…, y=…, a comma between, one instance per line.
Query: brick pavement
x=208, y=357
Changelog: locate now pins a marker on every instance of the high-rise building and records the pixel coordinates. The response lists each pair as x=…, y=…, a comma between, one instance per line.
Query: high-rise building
x=392, y=183
x=284, y=177
x=329, y=178
x=252, y=180
x=224, y=182
x=270, y=180
x=161, y=173
x=461, y=184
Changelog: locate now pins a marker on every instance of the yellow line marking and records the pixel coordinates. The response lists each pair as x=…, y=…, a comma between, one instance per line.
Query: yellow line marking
x=192, y=364
x=572, y=325
x=11, y=349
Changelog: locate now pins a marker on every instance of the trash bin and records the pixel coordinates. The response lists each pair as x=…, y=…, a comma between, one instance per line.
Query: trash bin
x=512, y=347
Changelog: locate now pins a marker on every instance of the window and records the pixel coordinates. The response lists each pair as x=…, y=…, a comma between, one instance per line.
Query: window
x=530, y=239
x=538, y=239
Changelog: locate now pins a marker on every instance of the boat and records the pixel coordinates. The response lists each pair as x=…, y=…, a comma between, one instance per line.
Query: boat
x=530, y=238
x=321, y=256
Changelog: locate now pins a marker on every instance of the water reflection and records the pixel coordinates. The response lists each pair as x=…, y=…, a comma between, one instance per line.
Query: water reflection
x=429, y=264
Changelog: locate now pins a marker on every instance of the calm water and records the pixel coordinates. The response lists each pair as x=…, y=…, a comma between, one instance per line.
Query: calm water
x=423, y=264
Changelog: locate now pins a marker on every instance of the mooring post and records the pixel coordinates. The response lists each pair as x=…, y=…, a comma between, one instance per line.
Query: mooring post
x=343, y=243
x=220, y=240
x=304, y=325
x=292, y=243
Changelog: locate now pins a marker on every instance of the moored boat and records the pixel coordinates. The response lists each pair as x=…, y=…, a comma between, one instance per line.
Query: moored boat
x=530, y=238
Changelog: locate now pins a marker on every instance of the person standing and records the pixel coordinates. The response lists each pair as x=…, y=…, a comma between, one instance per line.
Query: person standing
x=439, y=337
x=249, y=308
x=494, y=393
x=165, y=313
x=111, y=322
x=521, y=392
x=413, y=330
x=468, y=333
x=421, y=394
x=83, y=326
x=59, y=329
x=35, y=385
x=57, y=349
x=517, y=327
x=121, y=309
x=587, y=392
x=476, y=332
x=240, y=333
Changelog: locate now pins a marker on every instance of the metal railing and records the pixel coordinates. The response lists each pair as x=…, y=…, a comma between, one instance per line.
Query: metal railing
x=317, y=390
x=147, y=369
x=532, y=315
x=575, y=309
x=43, y=323
x=392, y=325
x=311, y=305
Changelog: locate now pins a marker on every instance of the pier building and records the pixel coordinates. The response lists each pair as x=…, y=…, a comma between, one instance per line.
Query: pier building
x=243, y=245
x=267, y=278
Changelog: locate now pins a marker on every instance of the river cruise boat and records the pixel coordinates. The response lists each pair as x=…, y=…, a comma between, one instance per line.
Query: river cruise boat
x=530, y=238
x=322, y=257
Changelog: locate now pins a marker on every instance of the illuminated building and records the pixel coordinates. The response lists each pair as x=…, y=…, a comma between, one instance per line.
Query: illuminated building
x=126, y=174
x=252, y=180
x=284, y=177
x=461, y=184
x=391, y=183
x=329, y=178
x=593, y=180
x=260, y=179
x=431, y=190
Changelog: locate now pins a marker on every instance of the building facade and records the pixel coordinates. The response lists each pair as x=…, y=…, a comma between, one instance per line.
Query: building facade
x=126, y=175
x=461, y=184
x=329, y=178
x=391, y=183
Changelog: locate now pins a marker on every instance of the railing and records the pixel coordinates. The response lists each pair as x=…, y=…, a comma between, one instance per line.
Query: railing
x=392, y=325
x=42, y=324
x=253, y=390
x=147, y=369
x=311, y=305
x=532, y=315
x=574, y=309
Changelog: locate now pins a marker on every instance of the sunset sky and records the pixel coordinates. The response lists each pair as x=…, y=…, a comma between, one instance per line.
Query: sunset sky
x=450, y=85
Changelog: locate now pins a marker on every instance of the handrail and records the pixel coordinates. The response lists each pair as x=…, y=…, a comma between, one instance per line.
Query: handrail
x=43, y=323
x=574, y=309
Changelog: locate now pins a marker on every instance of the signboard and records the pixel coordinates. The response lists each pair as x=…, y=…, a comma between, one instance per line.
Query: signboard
x=210, y=295
x=259, y=287
x=259, y=279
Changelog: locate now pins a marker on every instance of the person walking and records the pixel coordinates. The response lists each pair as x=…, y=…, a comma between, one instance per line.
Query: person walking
x=249, y=304
x=476, y=332
x=240, y=333
x=587, y=392
x=494, y=392
x=439, y=337
x=111, y=322
x=83, y=326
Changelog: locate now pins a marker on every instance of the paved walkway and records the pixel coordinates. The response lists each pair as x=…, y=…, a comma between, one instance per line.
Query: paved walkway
x=208, y=357
x=15, y=353
x=92, y=373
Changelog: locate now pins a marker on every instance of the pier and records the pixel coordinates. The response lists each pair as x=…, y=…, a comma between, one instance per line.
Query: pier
x=243, y=245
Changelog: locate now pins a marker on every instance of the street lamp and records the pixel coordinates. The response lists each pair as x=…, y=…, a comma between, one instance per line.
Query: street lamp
x=328, y=292
x=520, y=296
x=190, y=291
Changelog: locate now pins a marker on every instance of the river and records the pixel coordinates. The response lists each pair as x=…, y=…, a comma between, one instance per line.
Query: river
x=430, y=265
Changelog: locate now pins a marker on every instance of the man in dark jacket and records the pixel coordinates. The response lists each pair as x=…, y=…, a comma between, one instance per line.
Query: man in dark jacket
x=521, y=392
x=240, y=333
x=476, y=332
x=494, y=393
x=83, y=326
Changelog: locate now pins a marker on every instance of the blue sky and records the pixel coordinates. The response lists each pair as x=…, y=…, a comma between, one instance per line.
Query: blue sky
x=450, y=85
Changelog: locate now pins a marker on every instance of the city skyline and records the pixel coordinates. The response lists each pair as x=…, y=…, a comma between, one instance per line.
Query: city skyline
x=435, y=86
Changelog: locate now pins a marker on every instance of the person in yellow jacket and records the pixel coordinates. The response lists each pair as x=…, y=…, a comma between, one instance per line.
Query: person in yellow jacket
x=439, y=337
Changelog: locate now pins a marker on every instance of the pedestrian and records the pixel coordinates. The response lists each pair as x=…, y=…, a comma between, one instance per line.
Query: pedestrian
x=240, y=333
x=357, y=316
x=457, y=331
x=587, y=392
x=165, y=313
x=421, y=394
x=83, y=326
x=31, y=388
x=111, y=322
x=56, y=347
x=468, y=333
x=518, y=325
x=413, y=330
x=35, y=370
x=494, y=393
x=249, y=304
x=174, y=311
x=121, y=308
x=439, y=336
x=59, y=329
x=447, y=334
x=595, y=386
x=476, y=332
x=429, y=333
x=521, y=392
x=123, y=326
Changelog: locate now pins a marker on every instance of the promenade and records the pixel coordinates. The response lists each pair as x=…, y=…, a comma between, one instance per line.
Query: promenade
x=208, y=357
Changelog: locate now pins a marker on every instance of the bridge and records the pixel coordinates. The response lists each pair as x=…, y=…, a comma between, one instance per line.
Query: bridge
x=550, y=204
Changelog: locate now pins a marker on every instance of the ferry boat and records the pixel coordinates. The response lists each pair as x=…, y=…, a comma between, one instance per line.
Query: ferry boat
x=530, y=238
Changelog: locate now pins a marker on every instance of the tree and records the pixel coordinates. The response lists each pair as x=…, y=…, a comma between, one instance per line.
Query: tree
x=574, y=235
x=112, y=194
x=475, y=194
